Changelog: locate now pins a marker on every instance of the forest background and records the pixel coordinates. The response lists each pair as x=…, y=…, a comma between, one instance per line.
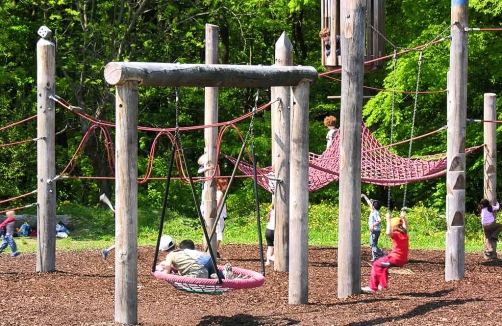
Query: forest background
x=89, y=34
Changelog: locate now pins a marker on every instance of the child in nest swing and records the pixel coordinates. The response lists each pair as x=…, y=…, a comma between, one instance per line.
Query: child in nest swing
x=187, y=261
x=396, y=228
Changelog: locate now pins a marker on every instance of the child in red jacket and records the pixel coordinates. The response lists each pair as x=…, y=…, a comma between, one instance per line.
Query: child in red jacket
x=7, y=235
x=396, y=228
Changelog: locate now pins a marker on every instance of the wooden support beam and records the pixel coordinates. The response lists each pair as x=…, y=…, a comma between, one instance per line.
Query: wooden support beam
x=455, y=148
x=490, y=150
x=126, y=204
x=210, y=135
x=349, y=217
x=281, y=129
x=200, y=75
x=337, y=97
x=299, y=197
x=490, y=155
x=46, y=154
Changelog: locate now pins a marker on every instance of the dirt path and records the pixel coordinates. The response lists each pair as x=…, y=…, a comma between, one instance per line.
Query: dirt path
x=81, y=292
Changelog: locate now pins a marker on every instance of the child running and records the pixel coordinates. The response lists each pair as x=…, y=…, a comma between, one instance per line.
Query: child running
x=396, y=228
x=7, y=235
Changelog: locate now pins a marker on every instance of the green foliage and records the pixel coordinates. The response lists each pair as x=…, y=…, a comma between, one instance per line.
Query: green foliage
x=88, y=37
x=323, y=224
x=491, y=8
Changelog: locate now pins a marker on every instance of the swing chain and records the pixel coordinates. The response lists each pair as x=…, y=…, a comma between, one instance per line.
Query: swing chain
x=413, y=119
x=255, y=110
x=177, y=107
x=392, y=115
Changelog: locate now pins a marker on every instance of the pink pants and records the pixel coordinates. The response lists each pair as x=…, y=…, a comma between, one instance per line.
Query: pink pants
x=380, y=275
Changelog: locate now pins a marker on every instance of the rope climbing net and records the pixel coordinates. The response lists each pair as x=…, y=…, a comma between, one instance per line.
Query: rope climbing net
x=379, y=166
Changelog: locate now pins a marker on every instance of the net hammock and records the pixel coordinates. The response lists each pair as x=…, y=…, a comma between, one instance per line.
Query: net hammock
x=243, y=279
x=379, y=166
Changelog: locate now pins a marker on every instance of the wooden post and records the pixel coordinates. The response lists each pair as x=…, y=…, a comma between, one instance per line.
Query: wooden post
x=281, y=113
x=46, y=153
x=210, y=135
x=126, y=204
x=490, y=152
x=349, y=217
x=455, y=175
x=490, y=155
x=299, y=196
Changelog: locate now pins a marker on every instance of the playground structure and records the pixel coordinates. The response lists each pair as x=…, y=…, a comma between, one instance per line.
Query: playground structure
x=130, y=87
x=374, y=45
x=127, y=76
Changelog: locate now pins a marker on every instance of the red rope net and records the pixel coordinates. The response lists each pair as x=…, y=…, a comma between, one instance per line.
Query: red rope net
x=378, y=165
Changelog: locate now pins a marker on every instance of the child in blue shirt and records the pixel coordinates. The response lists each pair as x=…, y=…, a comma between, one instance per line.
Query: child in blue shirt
x=374, y=221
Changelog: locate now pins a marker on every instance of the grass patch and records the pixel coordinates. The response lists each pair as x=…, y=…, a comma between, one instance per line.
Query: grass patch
x=94, y=228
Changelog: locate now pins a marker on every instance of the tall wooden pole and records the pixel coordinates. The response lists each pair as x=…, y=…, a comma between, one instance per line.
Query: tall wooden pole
x=299, y=196
x=126, y=201
x=281, y=113
x=210, y=134
x=46, y=153
x=455, y=175
x=490, y=154
x=349, y=217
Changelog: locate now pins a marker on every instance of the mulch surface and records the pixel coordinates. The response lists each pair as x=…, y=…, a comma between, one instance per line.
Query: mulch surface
x=81, y=292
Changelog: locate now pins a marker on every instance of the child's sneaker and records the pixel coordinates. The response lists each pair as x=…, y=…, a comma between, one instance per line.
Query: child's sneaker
x=227, y=271
x=104, y=253
x=17, y=253
x=380, y=288
x=367, y=289
x=267, y=263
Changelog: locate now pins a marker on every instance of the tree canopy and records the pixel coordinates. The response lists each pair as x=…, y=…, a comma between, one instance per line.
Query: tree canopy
x=89, y=34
